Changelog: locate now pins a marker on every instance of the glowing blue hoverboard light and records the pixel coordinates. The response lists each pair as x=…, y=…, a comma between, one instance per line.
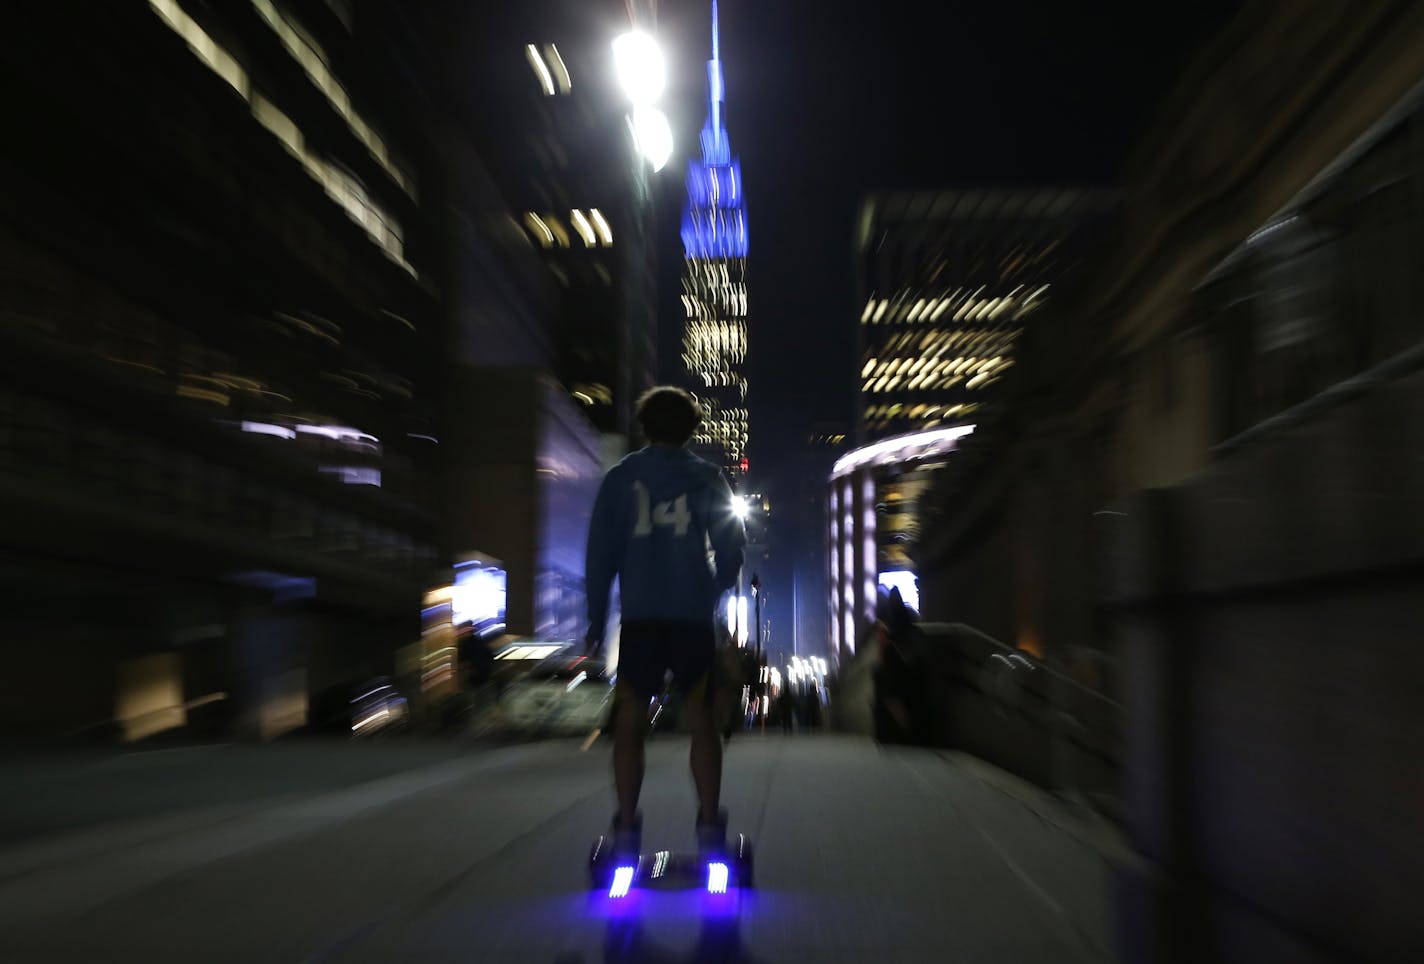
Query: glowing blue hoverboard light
x=717, y=878
x=622, y=881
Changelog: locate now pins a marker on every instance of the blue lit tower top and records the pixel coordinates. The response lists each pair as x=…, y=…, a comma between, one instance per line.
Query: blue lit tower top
x=714, y=224
x=714, y=241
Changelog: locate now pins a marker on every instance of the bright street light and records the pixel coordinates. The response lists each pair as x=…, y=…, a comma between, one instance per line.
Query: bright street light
x=740, y=507
x=638, y=62
x=653, y=135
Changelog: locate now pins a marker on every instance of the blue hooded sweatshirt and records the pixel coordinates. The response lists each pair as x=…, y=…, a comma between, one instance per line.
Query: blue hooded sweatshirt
x=663, y=524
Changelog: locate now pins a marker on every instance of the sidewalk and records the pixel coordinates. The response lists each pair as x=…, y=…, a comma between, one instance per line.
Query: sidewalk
x=51, y=793
x=863, y=853
x=1065, y=858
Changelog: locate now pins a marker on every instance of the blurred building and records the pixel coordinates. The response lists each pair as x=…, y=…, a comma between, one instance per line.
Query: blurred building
x=1199, y=494
x=873, y=497
x=548, y=117
x=807, y=520
x=950, y=281
x=284, y=353
x=759, y=562
x=221, y=343
x=714, y=283
x=553, y=330
x=794, y=533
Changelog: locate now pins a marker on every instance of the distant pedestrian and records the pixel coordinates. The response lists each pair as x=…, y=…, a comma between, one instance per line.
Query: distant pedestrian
x=896, y=683
x=813, y=707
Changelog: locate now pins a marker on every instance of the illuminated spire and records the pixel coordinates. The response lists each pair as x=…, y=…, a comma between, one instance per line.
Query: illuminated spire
x=715, y=149
x=714, y=223
x=716, y=55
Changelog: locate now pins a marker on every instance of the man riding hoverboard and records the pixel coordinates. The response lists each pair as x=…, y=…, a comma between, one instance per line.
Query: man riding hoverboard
x=657, y=512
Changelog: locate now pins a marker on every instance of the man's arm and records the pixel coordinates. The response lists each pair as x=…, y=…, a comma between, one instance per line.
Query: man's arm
x=727, y=533
x=602, y=558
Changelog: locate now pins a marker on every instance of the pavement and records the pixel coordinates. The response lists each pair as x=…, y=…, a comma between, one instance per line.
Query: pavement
x=54, y=792
x=443, y=852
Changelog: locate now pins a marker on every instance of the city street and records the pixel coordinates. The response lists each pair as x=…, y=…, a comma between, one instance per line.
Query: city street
x=437, y=852
x=390, y=392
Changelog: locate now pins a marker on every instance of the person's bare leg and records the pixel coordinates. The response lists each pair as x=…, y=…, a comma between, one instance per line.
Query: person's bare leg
x=629, y=730
x=706, y=755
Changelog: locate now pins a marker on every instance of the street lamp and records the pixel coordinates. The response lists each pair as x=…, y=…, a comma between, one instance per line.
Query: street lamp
x=653, y=135
x=638, y=62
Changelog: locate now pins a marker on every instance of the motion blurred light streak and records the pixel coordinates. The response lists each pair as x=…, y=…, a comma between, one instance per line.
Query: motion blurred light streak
x=546, y=80
x=339, y=184
x=583, y=227
x=313, y=61
x=559, y=69
x=888, y=450
x=605, y=233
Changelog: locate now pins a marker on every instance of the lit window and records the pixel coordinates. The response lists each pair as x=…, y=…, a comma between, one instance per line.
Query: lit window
x=279, y=124
x=203, y=46
x=605, y=233
x=313, y=60
x=583, y=227
x=340, y=186
x=541, y=70
x=556, y=65
x=541, y=231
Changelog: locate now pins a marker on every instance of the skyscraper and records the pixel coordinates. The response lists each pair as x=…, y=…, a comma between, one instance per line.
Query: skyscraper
x=550, y=124
x=950, y=280
x=220, y=392
x=714, y=287
x=560, y=337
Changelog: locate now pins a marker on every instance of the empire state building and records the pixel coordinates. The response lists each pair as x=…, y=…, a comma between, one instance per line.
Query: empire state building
x=714, y=287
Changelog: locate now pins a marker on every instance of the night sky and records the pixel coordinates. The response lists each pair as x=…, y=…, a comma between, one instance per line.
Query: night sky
x=830, y=99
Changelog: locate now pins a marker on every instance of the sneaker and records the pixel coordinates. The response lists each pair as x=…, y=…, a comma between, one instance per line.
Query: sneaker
x=712, y=834
x=628, y=840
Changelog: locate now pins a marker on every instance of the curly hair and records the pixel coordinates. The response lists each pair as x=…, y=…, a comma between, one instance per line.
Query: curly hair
x=669, y=415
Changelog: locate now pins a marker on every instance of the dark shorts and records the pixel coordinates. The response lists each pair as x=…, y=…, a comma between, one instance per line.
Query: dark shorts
x=648, y=649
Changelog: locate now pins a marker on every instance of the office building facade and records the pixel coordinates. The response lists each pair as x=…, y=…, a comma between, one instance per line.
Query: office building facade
x=280, y=357
x=949, y=279
x=1217, y=526
x=221, y=395
x=553, y=128
x=556, y=338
